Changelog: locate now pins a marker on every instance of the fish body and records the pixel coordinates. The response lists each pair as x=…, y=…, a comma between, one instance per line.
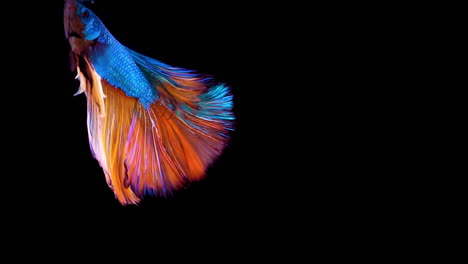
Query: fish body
x=152, y=127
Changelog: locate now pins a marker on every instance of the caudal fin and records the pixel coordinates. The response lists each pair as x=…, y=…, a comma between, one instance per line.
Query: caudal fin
x=157, y=149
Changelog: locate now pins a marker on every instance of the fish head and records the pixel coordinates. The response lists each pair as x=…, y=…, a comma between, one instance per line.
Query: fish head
x=80, y=22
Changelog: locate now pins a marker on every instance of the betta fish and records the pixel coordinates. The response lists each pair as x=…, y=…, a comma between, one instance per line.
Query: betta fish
x=152, y=127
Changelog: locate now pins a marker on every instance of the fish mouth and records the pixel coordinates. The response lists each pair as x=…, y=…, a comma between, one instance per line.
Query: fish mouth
x=69, y=17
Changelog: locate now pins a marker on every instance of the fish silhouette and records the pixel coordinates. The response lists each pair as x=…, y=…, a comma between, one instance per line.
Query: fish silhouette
x=152, y=127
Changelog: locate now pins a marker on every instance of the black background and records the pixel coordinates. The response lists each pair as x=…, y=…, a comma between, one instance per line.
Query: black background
x=49, y=161
x=307, y=147
x=298, y=154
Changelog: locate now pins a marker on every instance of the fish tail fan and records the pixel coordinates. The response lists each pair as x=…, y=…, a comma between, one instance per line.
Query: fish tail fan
x=156, y=149
x=106, y=123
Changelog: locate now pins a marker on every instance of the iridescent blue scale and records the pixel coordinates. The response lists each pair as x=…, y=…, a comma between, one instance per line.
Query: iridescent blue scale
x=114, y=63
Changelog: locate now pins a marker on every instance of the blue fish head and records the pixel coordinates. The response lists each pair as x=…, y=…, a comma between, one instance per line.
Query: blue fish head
x=81, y=22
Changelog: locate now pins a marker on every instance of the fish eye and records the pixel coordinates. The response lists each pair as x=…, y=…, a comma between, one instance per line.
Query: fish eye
x=85, y=13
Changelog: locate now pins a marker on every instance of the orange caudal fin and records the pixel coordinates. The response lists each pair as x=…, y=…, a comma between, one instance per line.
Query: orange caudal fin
x=158, y=149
